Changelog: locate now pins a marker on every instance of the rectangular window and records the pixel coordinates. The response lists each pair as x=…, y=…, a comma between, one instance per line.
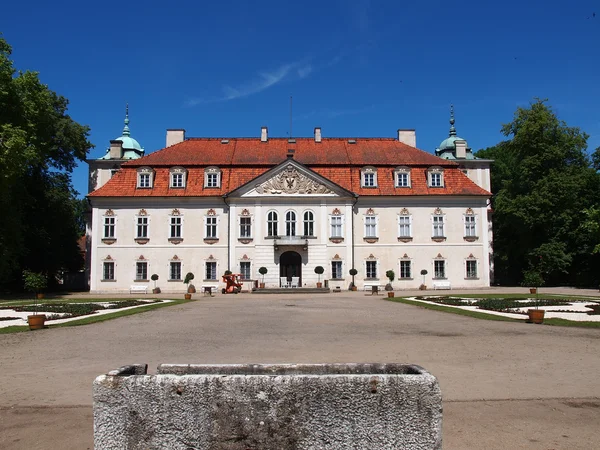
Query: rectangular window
x=401, y=179
x=436, y=179
x=211, y=227
x=108, y=271
x=371, y=269
x=175, y=227
x=245, y=270
x=175, y=270
x=370, y=226
x=336, y=270
x=144, y=180
x=141, y=271
x=405, y=269
x=404, y=226
x=211, y=270
x=336, y=226
x=212, y=180
x=245, y=227
x=142, y=227
x=439, y=269
x=109, y=227
x=471, y=269
x=176, y=180
x=369, y=179
x=438, y=226
x=470, y=226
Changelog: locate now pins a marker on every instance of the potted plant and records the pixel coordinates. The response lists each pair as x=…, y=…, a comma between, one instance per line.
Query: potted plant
x=263, y=271
x=388, y=287
x=423, y=286
x=156, y=290
x=533, y=278
x=35, y=282
x=319, y=271
x=191, y=289
x=353, y=272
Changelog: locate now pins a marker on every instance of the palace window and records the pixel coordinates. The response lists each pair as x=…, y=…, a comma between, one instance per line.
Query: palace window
x=245, y=270
x=371, y=267
x=142, y=228
x=404, y=226
x=336, y=270
x=108, y=270
x=405, y=269
x=471, y=267
x=178, y=177
x=309, y=223
x=368, y=177
x=141, y=271
x=439, y=268
x=109, y=227
x=175, y=270
x=245, y=227
x=212, y=177
x=336, y=226
x=438, y=226
x=371, y=226
x=175, y=228
x=144, y=177
x=435, y=177
x=470, y=229
x=211, y=270
x=290, y=223
x=402, y=177
x=211, y=227
x=272, y=223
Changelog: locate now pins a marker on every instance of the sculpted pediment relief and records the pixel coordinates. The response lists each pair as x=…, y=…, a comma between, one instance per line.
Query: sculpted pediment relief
x=291, y=181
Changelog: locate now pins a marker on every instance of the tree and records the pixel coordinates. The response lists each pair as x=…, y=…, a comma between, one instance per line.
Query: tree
x=39, y=148
x=542, y=184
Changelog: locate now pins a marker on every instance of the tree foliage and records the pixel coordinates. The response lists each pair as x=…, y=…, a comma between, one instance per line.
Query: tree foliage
x=545, y=194
x=40, y=145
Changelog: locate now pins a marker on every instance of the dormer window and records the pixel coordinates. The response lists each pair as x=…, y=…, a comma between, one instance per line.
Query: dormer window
x=435, y=177
x=212, y=177
x=178, y=177
x=368, y=177
x=402, y=177
x=145, y=177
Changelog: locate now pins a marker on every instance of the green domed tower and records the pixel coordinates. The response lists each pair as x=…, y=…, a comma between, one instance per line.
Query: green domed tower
x=448, y=147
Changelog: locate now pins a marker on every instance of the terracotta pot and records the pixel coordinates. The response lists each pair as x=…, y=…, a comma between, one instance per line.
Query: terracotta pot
x=261, y=285
x=536, y=315
x=390, y=295
x=188, y=296
x=156, y=290
x=191, y=289
x=39, y=296
x=36, y=321
x=354, y=288
x=319, y=285
x=533, y=290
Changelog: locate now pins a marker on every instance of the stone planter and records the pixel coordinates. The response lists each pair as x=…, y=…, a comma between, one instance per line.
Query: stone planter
x=268, y=407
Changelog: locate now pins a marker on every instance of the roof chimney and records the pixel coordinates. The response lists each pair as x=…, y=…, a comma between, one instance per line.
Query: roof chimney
x=116, y=150
x=461, y=149
x=408, y=137
x=264, y=134
x=317, y=134
x=175, y=136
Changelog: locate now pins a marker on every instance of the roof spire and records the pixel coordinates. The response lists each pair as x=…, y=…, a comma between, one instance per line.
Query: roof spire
x=126, y=127
x=452, y=129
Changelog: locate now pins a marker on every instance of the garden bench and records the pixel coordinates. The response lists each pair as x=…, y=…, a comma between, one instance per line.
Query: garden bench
x=208, y=289
x=138, y=288
x=442, y=285
x=369, y=286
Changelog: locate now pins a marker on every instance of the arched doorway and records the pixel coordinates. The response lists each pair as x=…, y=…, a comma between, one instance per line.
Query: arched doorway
x=290, y=265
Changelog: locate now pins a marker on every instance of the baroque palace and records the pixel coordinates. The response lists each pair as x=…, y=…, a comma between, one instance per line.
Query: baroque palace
x=207, y=205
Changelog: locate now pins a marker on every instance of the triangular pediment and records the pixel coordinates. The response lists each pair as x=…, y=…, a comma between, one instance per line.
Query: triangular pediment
x=290, y=178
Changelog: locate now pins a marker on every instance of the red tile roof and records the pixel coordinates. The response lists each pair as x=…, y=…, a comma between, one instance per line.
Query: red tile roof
x=243, y=159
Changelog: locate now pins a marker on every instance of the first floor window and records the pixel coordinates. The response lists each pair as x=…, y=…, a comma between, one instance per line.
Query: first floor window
x=141, y=271
x=371, y=226
x=470, y=226
x=438, y=226
x=109, y=227
x=439, y=269
x=471, y=269
x=211, y=270
x=404, y=226
x=245, y=227
x=175, y=270
x=211, y=227
x=336, y=226
x=142, y=227
x=371, y=269
x=336, y=269
x=272, y=223
x=309, y=222
x=108, y=271
x=405, y=269
x=175, y=227
x=245, y=270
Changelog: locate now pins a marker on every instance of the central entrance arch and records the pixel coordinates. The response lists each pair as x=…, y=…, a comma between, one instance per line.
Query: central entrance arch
x=290, y=265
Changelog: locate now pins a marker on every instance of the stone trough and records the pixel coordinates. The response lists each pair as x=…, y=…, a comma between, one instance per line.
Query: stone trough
x=268, y=407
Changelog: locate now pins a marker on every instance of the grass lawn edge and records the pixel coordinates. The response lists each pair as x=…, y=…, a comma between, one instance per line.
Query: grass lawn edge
x=484, y=316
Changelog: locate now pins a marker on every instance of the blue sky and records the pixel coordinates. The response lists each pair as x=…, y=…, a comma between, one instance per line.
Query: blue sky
x=356, y=68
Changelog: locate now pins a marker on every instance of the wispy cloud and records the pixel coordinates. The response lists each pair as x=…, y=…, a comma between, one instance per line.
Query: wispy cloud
x=263, y=81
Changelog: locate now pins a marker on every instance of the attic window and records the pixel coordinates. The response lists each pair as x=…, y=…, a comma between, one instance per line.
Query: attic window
x=368, y=177
x=351, y=141
x=145, y=177
x=435, y=177
x=291, y=141
x=177, y=177
x=212, y=177
x=224, y=141
x=402, y=177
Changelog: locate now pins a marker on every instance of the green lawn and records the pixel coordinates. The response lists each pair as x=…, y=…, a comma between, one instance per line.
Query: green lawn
x=86, y=319
x=485, y=316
